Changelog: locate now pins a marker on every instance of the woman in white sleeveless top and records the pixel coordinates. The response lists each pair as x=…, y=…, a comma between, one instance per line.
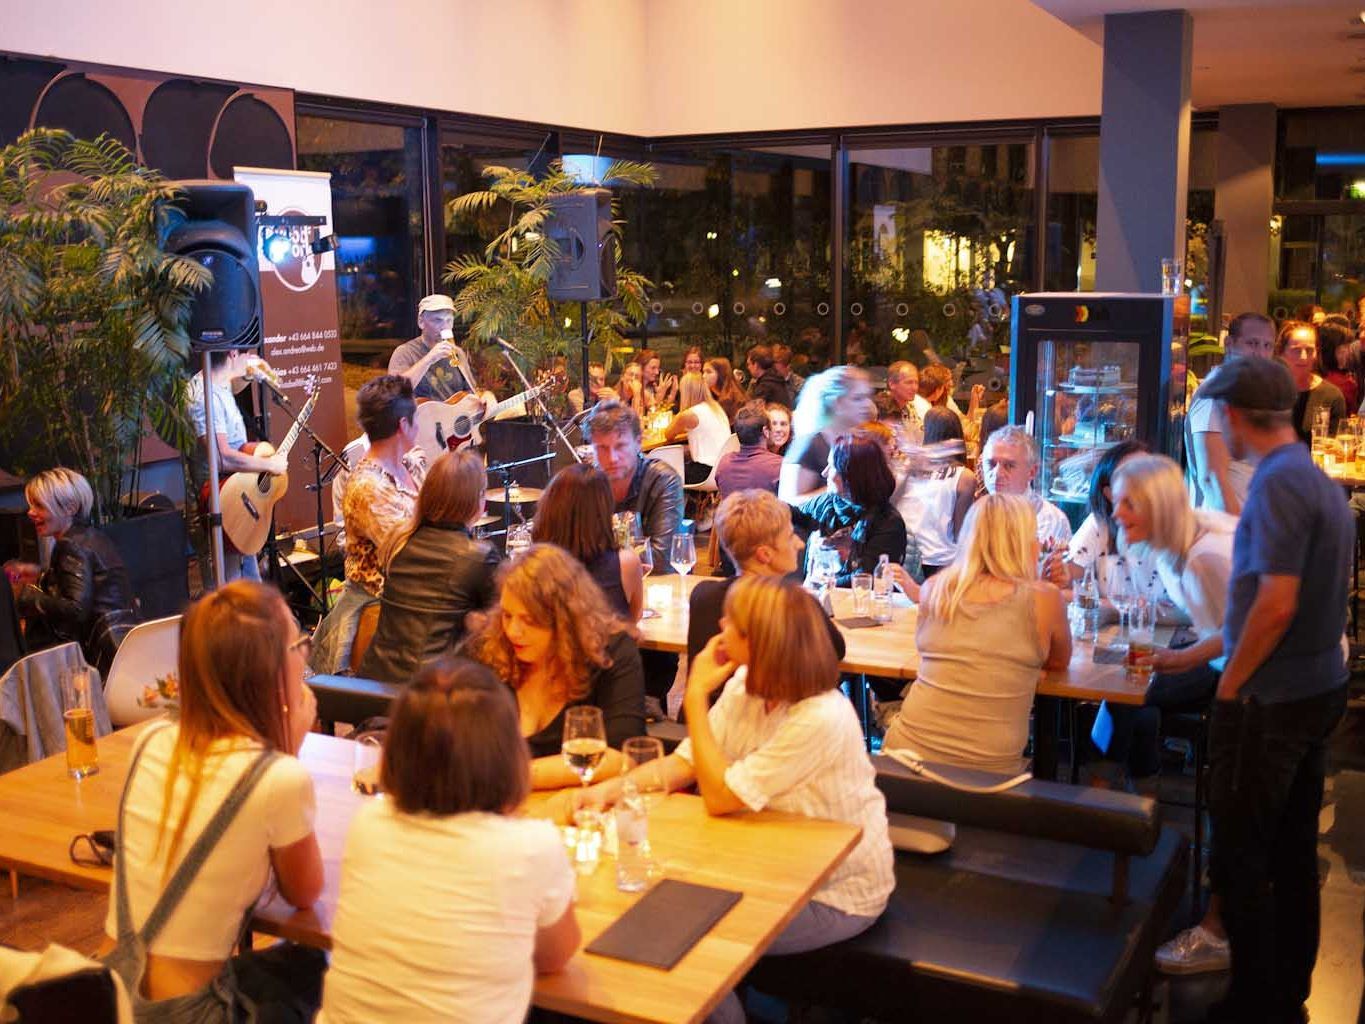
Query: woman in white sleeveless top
x=703, y=422
x=987, y=629
x=934, y=503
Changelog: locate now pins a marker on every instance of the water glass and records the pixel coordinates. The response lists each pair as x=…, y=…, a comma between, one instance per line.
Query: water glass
x=365, y=758
x=1172, y=277
x=862, y=593
x=584, y=840
x=78, y=716
x=644, y=756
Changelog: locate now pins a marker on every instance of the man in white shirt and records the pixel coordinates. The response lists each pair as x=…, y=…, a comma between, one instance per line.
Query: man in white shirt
x=1009, y=465
x=1217, y=480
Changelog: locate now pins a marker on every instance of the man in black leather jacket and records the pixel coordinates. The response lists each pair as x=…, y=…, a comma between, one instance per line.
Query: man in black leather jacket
x=646, y=487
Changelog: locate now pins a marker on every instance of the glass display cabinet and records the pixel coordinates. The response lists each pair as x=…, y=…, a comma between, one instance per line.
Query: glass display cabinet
x=1088, y=371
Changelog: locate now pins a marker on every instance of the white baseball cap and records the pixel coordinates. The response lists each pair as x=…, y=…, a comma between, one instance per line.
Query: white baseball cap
x=432, y=303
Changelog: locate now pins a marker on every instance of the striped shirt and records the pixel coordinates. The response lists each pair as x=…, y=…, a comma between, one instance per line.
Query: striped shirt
x=809, y=758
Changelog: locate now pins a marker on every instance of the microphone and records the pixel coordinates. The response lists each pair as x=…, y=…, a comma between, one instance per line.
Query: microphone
x=507, y=345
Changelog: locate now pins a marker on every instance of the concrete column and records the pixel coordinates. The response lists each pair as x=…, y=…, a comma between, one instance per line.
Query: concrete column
x=1144, y=148
x=1243, y=201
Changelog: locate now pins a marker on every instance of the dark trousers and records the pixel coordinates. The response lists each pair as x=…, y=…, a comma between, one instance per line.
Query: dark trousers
x=1137, y=730
x=1267, y=763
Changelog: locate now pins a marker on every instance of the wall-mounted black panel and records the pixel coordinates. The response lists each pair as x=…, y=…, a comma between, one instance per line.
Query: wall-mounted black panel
x=21, y=83
x=86, y=109
x=250, y=134
x=177, y=124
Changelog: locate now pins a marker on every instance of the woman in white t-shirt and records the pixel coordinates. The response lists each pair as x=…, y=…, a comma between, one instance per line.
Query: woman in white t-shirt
x=1192, y=550
x=450, y=901
x=935, y=503
x=214, y=804
x=781, y=736
x=703, y=422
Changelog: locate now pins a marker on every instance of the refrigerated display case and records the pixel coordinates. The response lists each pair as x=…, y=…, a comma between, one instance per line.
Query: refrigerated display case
x=1092, y=370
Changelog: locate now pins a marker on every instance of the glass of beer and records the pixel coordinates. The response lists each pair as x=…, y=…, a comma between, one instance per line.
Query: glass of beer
x=369, y=751
x=1141, y=644
x=79, y=719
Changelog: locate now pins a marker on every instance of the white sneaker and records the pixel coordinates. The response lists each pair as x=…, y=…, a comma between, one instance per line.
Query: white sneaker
x=1194, y=951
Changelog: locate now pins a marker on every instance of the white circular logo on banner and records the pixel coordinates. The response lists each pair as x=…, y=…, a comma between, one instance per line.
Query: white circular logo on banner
x=287, y=249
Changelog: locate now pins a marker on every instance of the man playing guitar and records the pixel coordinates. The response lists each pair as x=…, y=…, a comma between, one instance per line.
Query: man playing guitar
x=436, y=366
x=227, y=368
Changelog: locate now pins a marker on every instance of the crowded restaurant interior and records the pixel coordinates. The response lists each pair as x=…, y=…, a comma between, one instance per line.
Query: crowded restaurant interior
x=830, y=510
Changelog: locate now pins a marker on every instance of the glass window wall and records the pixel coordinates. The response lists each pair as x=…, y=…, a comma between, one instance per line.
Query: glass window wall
x=377, y=209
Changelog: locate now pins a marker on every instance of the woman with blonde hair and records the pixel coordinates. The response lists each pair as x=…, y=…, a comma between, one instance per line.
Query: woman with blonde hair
x=703, y=423
x=216, y=802
x=1192, y=552
x=436, y=571
x=478, y=896
x=720, y=381
x=556, y=642
x=833, y=402
x=987, y=628
x=782, y=737
x=85, y=594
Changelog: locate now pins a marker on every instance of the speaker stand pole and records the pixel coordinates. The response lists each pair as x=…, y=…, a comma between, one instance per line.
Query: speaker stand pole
x=215, y=524
x=583, y=328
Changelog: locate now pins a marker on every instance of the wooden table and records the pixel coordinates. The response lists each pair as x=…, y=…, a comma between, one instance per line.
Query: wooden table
x=776, y=860
x=887, y=650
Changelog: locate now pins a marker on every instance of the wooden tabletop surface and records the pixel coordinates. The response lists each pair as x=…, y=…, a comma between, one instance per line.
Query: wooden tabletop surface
x=890, y=650
x=886, y=650
x=776, y=860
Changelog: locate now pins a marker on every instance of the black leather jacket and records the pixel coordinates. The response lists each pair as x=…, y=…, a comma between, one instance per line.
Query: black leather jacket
x=656, y=496
x=439, y=576
x=85, y=595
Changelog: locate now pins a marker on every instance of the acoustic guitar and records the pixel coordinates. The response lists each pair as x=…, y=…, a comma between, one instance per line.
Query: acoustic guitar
x=248, y=500
x=454, y=423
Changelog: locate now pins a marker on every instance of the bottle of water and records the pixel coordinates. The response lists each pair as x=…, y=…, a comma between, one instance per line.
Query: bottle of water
x=1086, y=598
x=881, y=589
x=632, y=840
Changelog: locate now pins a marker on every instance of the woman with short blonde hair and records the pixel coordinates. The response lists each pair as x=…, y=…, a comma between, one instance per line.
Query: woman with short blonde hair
x=85, y=594
x=556, y=642
x=782, y=737
x=215, y=803
x=436, y=571
x=987, y=629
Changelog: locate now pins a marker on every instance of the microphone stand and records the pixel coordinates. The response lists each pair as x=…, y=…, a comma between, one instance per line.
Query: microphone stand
x=323, y=453
x=504, y=469
x=506, y=354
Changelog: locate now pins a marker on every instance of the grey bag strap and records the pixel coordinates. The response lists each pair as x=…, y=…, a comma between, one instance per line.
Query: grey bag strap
x=196, y=857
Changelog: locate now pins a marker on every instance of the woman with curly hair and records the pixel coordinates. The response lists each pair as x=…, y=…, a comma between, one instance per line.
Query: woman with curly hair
x=556, y=642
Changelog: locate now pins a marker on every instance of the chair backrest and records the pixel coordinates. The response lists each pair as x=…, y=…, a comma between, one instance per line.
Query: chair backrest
x=671, y=455
x=32, y=704
x=143, y=679
x=709, y=484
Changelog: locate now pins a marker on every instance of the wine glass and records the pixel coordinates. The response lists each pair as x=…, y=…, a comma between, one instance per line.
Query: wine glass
x=1121, y=592
x=585, y=741
x=682, y=556
x=644, y=757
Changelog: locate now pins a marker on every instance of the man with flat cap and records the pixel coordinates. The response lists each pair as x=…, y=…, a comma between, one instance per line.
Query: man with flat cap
x=436, y=366
x=1281, y=694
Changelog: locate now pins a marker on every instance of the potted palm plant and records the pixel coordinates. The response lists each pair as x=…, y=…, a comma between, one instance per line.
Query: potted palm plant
x=503, y=293
x=92, y=312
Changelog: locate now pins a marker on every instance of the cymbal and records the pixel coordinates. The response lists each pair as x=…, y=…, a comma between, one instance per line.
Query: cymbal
x=520, y=495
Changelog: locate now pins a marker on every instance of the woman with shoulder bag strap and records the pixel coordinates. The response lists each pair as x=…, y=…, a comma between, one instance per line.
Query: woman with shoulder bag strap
x=213, y=805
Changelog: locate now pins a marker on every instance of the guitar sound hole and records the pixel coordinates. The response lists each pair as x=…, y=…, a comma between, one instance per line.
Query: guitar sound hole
x=461, y=427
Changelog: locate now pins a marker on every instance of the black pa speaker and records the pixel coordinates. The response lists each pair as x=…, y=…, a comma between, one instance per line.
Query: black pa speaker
x=216, y=226
x=581, y=225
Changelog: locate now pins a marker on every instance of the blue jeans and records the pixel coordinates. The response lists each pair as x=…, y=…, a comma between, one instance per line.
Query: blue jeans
x=336, y=632
x=1267, y=763
x=817, y=925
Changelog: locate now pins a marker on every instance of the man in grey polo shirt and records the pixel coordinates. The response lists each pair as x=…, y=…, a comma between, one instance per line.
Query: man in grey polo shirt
x=436, y=366
x=1280, y=696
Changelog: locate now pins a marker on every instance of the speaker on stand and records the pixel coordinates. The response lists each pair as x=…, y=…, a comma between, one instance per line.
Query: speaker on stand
x=586, y=269
x=215, y=225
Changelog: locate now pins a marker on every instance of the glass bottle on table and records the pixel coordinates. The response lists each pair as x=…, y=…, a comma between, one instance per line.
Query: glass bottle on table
x=1086, y=601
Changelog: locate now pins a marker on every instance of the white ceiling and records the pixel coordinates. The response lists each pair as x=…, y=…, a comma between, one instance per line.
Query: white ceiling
x=1291, y=53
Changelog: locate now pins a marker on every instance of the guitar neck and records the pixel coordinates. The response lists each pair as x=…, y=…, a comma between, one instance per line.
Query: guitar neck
x=297, y=428
x=508, y=403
